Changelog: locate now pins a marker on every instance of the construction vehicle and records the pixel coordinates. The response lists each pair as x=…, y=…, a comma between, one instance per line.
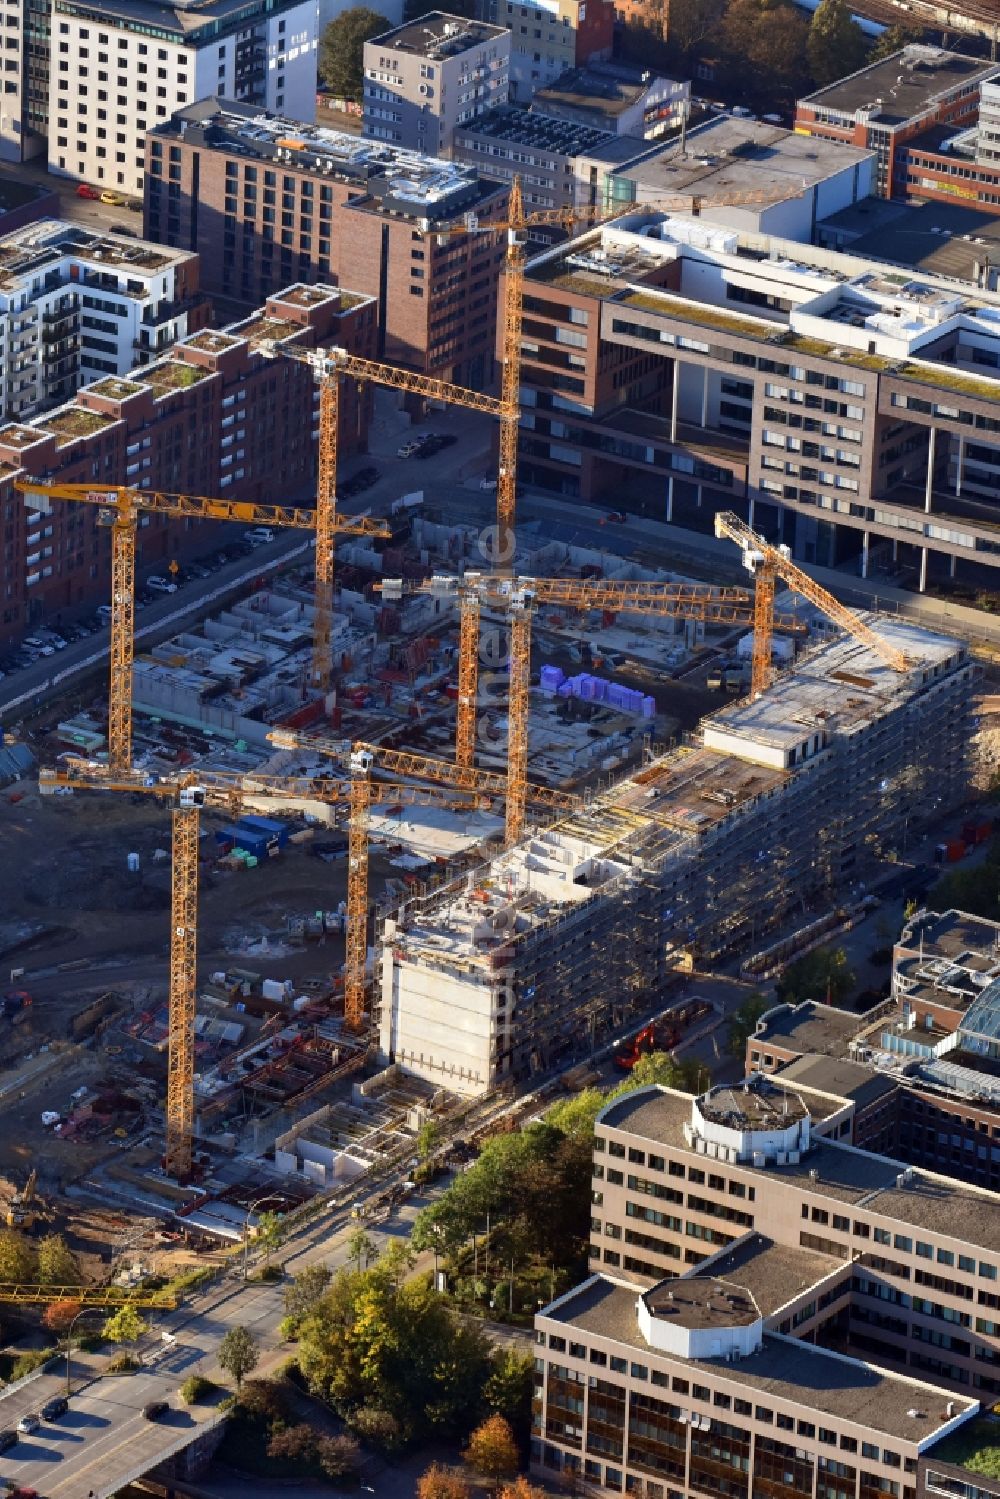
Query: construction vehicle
x=767, y=563
x=23, y=1210
x=519, y=596
x=329, y=367
x=120, y=508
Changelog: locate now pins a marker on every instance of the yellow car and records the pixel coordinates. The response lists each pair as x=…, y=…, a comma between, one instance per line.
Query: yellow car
x=115, y=199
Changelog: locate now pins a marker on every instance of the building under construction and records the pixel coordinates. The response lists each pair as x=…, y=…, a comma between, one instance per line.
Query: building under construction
x=774, y=802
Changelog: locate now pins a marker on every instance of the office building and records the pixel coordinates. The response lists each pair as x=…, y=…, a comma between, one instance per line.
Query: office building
x=549, y=36
x=427, y=77
x=844, y=405
x=116, y=73
x=539, y=149
x=885, y=105
x=761, y=177
x=215, y=416
x=265, y=199
x=772, y=1311
x=615, y=97
x=697, y=856
x=76, y=304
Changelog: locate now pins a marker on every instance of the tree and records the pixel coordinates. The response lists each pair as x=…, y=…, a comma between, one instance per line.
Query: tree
x=521, y=1488
x=428, y=1138
x=269, y=1233
x=341, y=50
x=295, y=1444
x=338, y=1455
x=822, y=975
x=57, y=1264
x=58, y=1316
x=17, y=1257
x=893, y=39
x=575, y=1115
x=238, y=1354
x=509, y=1389
x=689, y=23
x=660, y=1068
x=836, y=45
x=492, y=1450
x=443, y=1483
x=764, y=42
x=125, y=1325
x=743, y=1023
x=308, y=1287
x=361, y=1246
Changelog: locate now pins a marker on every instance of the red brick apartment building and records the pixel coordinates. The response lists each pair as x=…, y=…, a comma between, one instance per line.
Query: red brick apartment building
x=267, y=200
x=886, y=105
x=214, y=416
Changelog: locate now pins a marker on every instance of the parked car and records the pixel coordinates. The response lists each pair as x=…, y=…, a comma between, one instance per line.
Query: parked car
x=86, y=191
x=28, y=1423
x=487, y=484
x=134, y=205
x=123, y=229
x=39, y=646
x=154, y=1410
x=407, y=450
x=115, y=199
x=7, y=1439
x=260, y=536
x=53, y=1409
x=161, y=585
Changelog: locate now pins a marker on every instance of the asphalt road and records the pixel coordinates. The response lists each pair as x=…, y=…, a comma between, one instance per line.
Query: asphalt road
x=103, y=1442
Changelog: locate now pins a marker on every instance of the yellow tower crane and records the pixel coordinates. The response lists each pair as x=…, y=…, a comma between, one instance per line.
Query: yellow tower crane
x=362, y=759
x=120, y=507
x=329, y=367
x=768, y=563
x=519, y=596
x=187, y=795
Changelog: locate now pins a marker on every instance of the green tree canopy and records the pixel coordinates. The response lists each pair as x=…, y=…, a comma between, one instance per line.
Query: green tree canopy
x=340, y=62
x=125, y=1325
x=372, y=1344
x=238, y=1353
x=17, y=1257
x=743, y=1023
x=893, y=39
x=57, y=1264
x=765, y=46
x=822, y=975
x=302, y=1294
x=836, y=45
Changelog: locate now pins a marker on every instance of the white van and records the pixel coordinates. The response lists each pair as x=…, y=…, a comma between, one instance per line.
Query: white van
x=260, y=536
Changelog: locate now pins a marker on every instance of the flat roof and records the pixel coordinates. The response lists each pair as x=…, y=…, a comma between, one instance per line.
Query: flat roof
x=388, y=178
x=795, y=1373
x=700, y=1301
x=773, y=1274
x=187, y=18
x=809, y=1027
x=943, y=239
x=528, y=128
x=838, y=1076
x=902, y=86
x=47, y=244
x=437, y=35
x=607, y=90
x=727, y=154
x=831, y=1169
x=758, y=1104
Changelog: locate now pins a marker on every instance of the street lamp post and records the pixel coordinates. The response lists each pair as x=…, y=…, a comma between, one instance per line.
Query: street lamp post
x=257, y=1202
x=83, y=1312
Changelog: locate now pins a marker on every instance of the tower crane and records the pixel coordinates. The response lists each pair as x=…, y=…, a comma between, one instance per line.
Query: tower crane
x=329, y=367
x=187, y=795
x=120, y=507
x=703, y=601
x=362, y=760
x=768, y=563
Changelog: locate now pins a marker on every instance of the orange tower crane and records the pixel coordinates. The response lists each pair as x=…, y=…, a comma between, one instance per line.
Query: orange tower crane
x=120, y=507
x=702, y=601
x=768, y=563
x=329, y=367
x=362, y=759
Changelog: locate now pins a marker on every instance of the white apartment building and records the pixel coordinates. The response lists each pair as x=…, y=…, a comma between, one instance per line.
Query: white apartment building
x=119, y=71
x=76, y=305
x=425, y=78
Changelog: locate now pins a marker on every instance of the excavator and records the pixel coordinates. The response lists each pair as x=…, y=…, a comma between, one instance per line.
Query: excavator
x=23, y=1210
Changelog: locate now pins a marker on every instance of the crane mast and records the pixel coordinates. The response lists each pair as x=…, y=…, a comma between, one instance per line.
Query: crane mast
x=768, y=563
x=185, y=833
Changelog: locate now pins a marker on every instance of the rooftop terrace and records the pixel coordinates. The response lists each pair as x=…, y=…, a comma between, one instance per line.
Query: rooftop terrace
x=437, y=35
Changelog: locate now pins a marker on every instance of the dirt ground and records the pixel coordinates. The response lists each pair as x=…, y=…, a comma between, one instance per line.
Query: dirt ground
x=68, y=898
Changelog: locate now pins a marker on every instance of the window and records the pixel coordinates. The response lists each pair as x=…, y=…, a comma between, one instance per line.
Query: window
x=925, y=1251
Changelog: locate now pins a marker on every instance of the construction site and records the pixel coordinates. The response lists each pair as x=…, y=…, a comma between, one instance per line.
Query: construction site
x=394, y=828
